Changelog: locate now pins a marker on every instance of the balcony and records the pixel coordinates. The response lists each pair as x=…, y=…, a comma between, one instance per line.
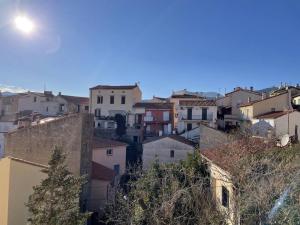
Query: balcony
x=198, y=117
x=148, y=118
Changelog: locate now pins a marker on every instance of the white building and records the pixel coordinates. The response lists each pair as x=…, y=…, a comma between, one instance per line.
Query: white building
x=42, y=103
x=277, y=124
x=48, y=104
x=107, y=101
x=192, y=113
x=166, y=149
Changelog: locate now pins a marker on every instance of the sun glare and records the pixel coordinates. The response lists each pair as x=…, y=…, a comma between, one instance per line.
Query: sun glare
x=24, y=24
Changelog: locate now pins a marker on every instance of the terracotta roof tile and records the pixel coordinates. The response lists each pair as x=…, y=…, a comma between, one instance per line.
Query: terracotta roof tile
x=100, y=172
x=272, y=115
x=106, y=143
x=198, y=103
x=75, y=99
x=174, y=137
x=118, y=87
x=154, y=105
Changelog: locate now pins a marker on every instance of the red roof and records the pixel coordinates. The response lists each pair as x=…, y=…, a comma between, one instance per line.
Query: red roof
x=174, y=137
x=106, y=143
x=100, y=172
x=242, y=89
x=75, y=99
x=198, y=103
x=272, y=115
x=227, y=155
x=114, y=87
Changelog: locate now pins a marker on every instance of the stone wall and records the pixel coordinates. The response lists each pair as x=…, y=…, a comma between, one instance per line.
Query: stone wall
x=36, y=143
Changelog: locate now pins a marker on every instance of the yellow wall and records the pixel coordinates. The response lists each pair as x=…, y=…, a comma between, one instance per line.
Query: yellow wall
x=221, y=178
x=4, y=187
x=20, y=178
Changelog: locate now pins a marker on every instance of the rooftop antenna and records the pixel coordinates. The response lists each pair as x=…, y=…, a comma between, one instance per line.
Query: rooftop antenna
x=44, y=87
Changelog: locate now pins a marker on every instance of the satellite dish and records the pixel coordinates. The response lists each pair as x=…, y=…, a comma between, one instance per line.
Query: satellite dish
x=284, y=140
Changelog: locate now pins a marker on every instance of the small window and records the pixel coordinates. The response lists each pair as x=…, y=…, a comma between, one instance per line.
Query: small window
x=34, y=99
x=47, y=109
x=123, y=99
x=100, y=99
x=225, y=197
x=86, y=107
x=62, y=107
x=78, y=108
x=112, y=99
x=172, y=153
x=109, y=152
x=273, y=109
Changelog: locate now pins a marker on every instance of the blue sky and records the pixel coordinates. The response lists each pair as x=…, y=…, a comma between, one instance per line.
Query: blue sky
x=163, y=44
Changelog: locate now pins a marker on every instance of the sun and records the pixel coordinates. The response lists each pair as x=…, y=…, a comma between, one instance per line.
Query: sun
x=24, y=24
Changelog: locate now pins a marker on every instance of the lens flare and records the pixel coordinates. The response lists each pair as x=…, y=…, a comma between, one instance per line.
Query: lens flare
x=24, y=24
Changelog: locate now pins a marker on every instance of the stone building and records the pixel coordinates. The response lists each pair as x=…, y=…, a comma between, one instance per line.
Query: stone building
x=73, y=133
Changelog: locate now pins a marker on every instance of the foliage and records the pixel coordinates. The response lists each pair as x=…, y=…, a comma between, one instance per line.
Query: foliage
x=121, y=125
x=167, y=194
x=56, y=199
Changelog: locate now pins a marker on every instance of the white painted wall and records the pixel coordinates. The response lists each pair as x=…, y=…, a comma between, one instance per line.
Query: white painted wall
x=160, y=149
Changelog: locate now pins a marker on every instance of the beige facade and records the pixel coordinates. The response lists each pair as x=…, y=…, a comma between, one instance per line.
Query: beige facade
x=231, y=103
x=276, y=103
x=17, y=179
x=111, y=100
x=222, y=190
x=112, y=156
x=168, y=149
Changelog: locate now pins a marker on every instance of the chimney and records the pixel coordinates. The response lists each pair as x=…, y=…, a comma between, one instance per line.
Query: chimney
x=251, y=88
x=298, y=86
x=263, y=95
x=59, y=93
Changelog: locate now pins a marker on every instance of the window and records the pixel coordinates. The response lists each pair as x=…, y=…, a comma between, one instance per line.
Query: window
x=148, y=113
x=166, y=116
x=172, y=153
x=47, y=109
x=97, y=112
x=78, y=108
x=62, y=107
x=123, y=99
x=135, y=139
x=112, y=99
x=225, y=197
x=86, y=107
x=109, y=152
x=34, y=99
x=117, y=169
x=189, y=126
x=100, y=99
x=273, y=109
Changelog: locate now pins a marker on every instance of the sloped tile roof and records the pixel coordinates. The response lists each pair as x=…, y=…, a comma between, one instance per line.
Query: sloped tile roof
x=100, y=172
x=272, y=115
x=115, y=87
x=106, y=143
x=154, y=105
x=75, y=99
x=174, y=137
x=198, y=103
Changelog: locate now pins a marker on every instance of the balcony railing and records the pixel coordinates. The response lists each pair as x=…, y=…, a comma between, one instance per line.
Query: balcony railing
x=209, y=117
